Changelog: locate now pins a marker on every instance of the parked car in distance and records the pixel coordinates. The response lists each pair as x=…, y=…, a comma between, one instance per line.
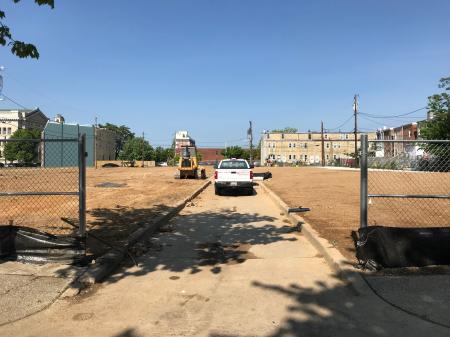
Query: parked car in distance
x=162, y=164
x=22, y=164
x=235, y=174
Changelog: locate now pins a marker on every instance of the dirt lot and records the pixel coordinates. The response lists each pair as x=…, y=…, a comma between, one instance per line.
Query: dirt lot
x=122, y=199
x=333, y=196
x=119, y=200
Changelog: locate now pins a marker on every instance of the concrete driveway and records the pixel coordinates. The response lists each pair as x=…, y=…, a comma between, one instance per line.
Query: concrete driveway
x=226, y=266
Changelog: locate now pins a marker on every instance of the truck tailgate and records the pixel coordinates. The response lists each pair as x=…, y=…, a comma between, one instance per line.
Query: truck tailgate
x=233, y=175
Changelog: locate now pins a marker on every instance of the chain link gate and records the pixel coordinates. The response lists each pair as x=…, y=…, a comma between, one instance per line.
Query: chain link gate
x=405, y=182
x=43, y=198
x=404, y=203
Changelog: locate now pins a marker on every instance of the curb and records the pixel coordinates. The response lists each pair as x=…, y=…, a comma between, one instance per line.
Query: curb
x=337, y=262
x=108, y=262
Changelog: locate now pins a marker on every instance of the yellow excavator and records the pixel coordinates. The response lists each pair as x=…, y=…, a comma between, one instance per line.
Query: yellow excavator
x=188, y=164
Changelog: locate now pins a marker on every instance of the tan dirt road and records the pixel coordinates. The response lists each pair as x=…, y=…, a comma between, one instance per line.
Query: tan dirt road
x=226, y=266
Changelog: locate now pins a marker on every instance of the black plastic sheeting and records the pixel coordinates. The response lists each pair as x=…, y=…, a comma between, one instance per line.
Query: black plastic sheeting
x=30, y=245
x=392, y=247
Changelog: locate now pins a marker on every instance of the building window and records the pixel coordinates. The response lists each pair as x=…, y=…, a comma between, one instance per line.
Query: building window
x=290, y=157
x=293, y=156
x=9, y=131
x=282, y=136
x=290, y=145
x=267, y=136
x=328, y=157
x=306, y=157
x=293, y=145
x=328, y=145
x=334, y=157
x=346, y=136
x=326, y=136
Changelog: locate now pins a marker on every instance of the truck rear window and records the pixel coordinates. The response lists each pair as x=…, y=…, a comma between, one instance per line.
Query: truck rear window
x=233, y=164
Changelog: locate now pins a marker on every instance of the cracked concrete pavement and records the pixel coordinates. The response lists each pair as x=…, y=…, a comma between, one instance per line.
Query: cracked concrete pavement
x=28, y=288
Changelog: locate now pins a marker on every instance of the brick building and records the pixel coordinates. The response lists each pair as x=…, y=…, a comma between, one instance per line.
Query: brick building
x=210, y=155
x=410, y=131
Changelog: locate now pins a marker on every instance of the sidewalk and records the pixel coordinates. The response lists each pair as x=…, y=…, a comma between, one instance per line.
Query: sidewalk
x=29, y=288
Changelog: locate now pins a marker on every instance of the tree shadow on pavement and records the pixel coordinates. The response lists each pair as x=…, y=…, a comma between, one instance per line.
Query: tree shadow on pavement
x=204, y=241
x=338, y=310
x=112, y=226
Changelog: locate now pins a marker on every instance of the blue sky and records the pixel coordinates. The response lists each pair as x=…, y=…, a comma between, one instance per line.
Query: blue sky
x=211, y=66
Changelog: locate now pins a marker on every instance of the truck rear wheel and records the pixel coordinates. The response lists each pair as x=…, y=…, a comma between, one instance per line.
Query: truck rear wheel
x=217, y=190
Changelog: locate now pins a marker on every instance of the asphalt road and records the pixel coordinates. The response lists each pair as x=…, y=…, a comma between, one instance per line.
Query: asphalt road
x=226, y=266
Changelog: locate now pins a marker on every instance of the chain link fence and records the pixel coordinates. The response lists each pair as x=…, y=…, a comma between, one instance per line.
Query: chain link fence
x=42, y=185
x=405, y=183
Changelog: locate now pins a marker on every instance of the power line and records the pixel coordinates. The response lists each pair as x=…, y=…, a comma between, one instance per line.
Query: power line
x=11, y=100
x=340, y=126
x=393, y=116
x=375, y=122
x=41, y=94
x=379, y=122
x=355, y=111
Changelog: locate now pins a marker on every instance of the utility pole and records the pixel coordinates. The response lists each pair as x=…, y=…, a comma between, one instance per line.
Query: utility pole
x=250, y=137
x=355, y=112
x=95, y=140
x=174, y=148
x=323, y=143
x=143, y=148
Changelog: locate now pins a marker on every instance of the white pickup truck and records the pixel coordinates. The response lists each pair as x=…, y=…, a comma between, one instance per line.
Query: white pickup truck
x=233, y=174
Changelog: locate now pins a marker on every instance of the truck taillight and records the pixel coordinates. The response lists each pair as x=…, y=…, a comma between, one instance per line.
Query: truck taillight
x=216, y=174
x=251, y=174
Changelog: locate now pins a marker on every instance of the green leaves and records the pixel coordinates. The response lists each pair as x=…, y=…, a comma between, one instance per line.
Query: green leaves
x=287, y=129
x=19, y=48
x=137, y=149
x=439, y=106
x=26, y=151
x=123, y=132
x=22, y=50
x=4, y=35
x=239, y=152
x=234, y=152
x=50, y=3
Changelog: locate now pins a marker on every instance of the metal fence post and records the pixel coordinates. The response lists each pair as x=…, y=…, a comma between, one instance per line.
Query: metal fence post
x=82, y=184
x=363, y=182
